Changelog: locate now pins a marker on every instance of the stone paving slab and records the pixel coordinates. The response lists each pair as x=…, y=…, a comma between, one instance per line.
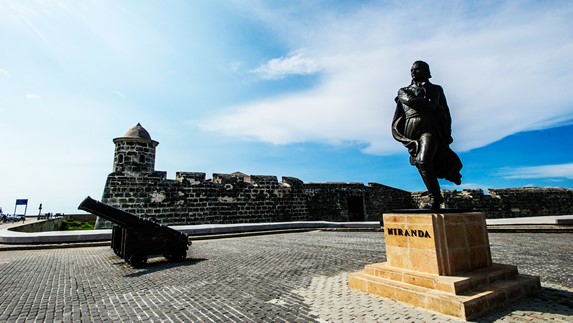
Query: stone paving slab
x=294, y=277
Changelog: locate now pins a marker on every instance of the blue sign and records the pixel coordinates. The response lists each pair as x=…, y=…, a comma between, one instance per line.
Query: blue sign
x=22, y=202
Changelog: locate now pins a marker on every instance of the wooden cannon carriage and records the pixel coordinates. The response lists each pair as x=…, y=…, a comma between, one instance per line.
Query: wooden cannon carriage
x=135, y=238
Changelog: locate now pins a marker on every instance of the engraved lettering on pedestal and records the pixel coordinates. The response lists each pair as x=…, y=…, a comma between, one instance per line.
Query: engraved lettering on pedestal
x=409, y=233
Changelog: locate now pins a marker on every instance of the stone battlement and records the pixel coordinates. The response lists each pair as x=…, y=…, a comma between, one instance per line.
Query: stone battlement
x=509, y=202
x=238, y=198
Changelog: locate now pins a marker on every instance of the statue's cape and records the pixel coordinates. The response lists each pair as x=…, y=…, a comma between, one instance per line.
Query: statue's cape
x=446, y=162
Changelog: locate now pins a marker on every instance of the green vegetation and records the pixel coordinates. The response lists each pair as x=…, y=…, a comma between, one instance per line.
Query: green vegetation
x=71, y=224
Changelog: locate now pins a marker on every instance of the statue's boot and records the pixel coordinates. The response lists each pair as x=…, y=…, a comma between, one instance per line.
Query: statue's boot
x=434, y=191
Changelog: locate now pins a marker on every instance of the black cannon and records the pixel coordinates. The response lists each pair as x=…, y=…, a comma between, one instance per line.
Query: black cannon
x=134, y=238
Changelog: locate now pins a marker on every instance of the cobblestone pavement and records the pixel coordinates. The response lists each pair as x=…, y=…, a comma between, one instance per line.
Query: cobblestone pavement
x=295, y=277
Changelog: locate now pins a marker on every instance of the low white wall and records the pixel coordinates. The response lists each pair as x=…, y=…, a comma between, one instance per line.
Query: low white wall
x=40, y=226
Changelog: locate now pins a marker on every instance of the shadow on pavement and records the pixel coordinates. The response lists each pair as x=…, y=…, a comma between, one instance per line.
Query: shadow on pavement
x=158, y=264
x=541, y=306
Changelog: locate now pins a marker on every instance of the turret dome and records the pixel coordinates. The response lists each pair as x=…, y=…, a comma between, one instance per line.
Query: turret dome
x=137, y=132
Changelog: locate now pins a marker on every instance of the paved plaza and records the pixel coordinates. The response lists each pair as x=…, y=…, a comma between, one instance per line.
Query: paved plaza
x=295, y=277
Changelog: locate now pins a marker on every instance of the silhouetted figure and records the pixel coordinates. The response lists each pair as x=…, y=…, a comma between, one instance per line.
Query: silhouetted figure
x=422, y=123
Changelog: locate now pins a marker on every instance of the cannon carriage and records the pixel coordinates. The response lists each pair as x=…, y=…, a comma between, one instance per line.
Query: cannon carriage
x=135, y=238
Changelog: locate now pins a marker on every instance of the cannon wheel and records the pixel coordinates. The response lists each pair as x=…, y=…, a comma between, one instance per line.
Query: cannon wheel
x=175, y=255
x=137, y=260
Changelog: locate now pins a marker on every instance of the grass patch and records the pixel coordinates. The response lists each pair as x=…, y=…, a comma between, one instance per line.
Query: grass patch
x=71, y=224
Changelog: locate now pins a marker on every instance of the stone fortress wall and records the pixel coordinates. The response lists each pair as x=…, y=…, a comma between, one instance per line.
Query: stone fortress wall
x=239, y=198
x=136, y=187
x=510, y=202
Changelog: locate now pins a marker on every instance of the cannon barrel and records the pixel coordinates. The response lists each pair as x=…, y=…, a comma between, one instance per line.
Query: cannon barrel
x=115, y=215
x=134, y=238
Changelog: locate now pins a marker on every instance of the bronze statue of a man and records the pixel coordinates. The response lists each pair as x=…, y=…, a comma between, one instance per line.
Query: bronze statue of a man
x=422, y=123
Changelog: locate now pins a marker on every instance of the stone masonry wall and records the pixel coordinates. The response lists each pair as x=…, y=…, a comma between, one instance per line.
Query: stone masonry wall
x=352, y=201
x=387, y=198
x=509, y=202
x=240, y=198
x=134, y=156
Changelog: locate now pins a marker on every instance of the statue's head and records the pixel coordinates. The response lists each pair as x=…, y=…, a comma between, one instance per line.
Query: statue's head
x=420, y=71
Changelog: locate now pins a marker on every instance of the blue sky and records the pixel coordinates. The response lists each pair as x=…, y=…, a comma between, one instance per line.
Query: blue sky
x=285, y=88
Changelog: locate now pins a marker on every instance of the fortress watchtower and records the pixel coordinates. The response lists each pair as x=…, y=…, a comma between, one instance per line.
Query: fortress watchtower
x=134, y=152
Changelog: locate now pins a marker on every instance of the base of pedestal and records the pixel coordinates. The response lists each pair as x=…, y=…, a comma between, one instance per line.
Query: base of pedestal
x=464, y=296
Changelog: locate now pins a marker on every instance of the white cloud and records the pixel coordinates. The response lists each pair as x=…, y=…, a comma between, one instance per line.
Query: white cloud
x=295, y=63
x=505, y=72
x=119, y=93
x=3, y=71
x=546, y=171
x=31, y=96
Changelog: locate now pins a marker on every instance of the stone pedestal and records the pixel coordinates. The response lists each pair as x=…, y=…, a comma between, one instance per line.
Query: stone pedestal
x=442, y=262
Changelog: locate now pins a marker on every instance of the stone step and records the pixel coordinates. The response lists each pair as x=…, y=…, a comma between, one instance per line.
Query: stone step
x=452, y=284
x=467, y=305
